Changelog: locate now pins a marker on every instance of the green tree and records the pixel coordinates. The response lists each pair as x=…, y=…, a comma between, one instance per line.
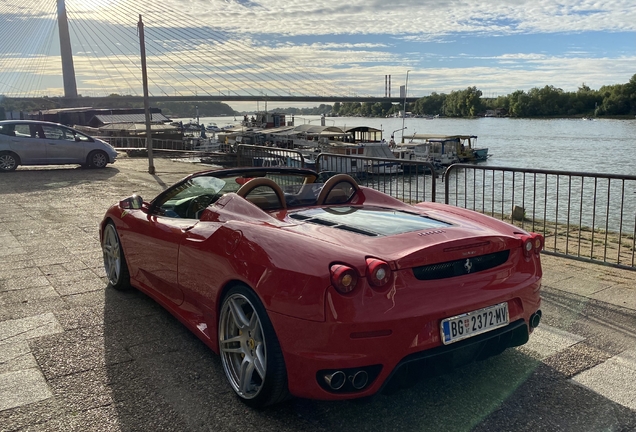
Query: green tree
x=430, y=105
x=463, y=103
x=520, y=105
x=365, y=110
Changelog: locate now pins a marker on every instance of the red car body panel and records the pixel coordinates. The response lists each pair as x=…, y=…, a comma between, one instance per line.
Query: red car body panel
x=187, y=264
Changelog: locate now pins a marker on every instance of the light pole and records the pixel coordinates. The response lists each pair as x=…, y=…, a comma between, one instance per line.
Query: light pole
x=406, y=88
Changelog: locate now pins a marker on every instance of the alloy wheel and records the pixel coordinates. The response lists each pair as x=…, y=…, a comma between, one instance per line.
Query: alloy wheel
x=99, y=160
x=112, y=254
x=242, y=346
x=7, y=162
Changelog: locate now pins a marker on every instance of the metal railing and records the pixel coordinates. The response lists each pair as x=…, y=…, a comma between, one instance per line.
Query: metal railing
x=586, y=216
x=262, y=156
x=192, y=145
x=140, y=143
x=410, y=181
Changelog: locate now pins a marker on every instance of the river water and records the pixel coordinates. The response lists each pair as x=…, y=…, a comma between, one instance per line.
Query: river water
x=598, y=145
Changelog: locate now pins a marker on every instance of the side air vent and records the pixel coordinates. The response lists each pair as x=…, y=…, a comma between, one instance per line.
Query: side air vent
x=299, y=216
x=321, y=222
x=357, y=230
x=461, y=267
x=344, y=227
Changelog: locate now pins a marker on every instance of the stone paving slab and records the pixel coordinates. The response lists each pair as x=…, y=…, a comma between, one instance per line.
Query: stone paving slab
x=29, y=328
x=16, y=356
x=617, y=295
x=547, y=341
x=613, y=379
x=22, y=387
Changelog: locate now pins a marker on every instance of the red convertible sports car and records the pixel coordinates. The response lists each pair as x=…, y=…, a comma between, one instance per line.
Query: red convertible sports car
x=325, y=289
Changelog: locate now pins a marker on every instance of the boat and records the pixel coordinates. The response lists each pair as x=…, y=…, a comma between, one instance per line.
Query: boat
x=202, y=144
x=409, y=154
x=468, y=153
x=362, y=141
x=444, y=149
x=191, y=126
x=212, y=127
x=428, y=148
x=330, y=142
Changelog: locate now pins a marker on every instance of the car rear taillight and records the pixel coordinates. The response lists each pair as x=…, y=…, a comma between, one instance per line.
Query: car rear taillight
x=378, y=272
x=532, y=244
x=343, y=278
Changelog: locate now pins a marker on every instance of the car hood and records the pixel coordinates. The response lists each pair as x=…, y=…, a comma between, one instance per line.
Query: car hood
x=407, y=238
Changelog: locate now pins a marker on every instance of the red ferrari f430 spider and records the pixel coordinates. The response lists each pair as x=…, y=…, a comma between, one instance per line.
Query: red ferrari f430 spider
x=322, y=288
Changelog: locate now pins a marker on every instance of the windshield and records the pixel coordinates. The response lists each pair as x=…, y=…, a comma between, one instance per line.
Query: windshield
x=188, y=198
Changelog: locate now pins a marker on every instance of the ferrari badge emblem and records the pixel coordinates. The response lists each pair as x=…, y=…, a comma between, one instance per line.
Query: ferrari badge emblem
x=468, y=265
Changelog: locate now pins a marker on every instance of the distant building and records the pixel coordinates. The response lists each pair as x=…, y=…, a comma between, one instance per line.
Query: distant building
x=84, y=116
x=14, y=115
x=103, y=119
x=499, y=112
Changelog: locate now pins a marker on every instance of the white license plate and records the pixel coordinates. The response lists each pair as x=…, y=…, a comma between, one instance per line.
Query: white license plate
x=470, y=324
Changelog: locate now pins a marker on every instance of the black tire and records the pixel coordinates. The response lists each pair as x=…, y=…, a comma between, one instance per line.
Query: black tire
x=8, y=162
x=114, y=259
x=254, y=344
x=97, y=159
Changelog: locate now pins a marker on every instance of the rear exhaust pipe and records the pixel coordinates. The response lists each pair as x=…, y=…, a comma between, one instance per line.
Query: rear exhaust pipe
x=359, y=380
x=336, y=380
x=535, y=319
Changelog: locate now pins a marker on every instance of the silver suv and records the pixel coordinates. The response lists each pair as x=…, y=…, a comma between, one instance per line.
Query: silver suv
x=30, y=142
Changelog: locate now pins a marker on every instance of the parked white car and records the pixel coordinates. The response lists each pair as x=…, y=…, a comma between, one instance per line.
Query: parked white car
x=31, y=142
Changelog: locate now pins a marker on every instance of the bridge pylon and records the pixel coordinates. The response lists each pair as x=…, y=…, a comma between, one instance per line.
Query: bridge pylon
x=68, y=70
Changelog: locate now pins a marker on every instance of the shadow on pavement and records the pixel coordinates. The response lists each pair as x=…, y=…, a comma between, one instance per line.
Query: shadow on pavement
x=162, y=375
x=31, y=179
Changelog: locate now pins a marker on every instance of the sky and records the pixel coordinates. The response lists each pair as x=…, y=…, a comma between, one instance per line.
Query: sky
x=330, y=47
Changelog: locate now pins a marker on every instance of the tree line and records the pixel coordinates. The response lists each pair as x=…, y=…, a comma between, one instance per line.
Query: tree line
x=618, y=100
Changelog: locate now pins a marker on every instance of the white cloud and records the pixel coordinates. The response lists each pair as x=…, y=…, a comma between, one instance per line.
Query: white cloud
x=422, y=19
x=242, y=53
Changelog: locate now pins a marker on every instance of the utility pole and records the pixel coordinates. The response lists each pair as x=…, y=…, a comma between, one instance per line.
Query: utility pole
x=144, y=75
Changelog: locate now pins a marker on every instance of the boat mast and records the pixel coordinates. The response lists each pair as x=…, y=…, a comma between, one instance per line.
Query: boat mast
x=406, y=87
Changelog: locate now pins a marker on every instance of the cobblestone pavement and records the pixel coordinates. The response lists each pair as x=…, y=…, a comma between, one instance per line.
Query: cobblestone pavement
x=77, y=356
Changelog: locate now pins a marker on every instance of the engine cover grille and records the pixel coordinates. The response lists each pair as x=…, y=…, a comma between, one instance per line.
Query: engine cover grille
x=461, y=267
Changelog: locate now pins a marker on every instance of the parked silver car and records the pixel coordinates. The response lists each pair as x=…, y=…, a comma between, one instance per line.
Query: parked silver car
x=30, y=142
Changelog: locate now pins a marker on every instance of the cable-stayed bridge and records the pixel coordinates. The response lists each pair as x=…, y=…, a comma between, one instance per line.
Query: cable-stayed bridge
x=188, y=58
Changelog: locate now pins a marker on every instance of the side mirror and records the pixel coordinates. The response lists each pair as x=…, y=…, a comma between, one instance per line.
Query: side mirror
x=132, y=203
